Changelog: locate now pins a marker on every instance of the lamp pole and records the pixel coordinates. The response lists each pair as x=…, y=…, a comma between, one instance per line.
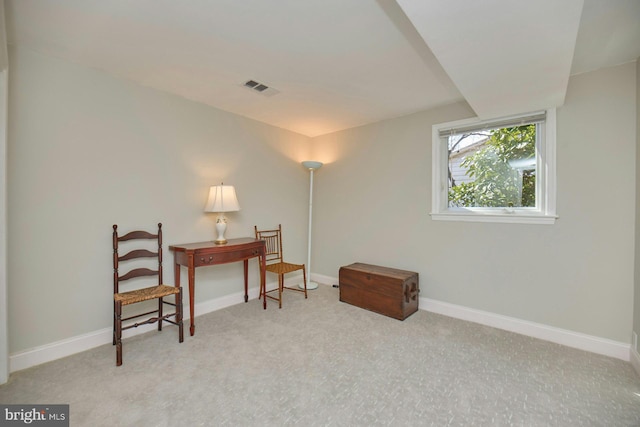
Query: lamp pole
x=311, y=165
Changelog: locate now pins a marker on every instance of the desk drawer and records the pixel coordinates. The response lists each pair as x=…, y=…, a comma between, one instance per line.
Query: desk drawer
x=200, y=259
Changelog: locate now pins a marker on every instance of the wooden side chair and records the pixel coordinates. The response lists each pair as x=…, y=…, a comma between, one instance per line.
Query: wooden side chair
x=145, y=263
x=276, y=264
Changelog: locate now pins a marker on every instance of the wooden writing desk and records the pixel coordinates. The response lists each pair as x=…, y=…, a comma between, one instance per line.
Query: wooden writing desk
x=193, y=255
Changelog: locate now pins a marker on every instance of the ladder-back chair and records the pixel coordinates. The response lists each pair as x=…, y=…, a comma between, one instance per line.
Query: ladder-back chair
x=275, y=262
x=142, y=262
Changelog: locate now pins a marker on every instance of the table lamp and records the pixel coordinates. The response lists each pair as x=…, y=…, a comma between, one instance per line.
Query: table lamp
x=222, y=198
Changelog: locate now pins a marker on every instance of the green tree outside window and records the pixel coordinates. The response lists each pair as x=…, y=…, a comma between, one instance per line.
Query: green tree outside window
x=503, y=171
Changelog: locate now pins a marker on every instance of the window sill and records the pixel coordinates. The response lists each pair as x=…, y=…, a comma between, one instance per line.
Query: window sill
x=507, y=218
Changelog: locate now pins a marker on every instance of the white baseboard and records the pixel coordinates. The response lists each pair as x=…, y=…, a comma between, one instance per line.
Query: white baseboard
x=594, y=344
x=325, y=280
x=67, y=347
x=634, y=358
x=56, y=350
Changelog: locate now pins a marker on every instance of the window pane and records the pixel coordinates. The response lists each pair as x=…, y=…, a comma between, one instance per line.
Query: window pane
x=493, y=168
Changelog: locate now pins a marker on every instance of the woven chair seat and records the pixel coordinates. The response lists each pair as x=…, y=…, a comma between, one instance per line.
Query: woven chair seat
x=146, y=263
x=283, y=267
x=145, y=294
x=275, y=263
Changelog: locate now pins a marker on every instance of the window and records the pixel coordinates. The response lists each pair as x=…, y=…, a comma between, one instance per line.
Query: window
x=499, y=170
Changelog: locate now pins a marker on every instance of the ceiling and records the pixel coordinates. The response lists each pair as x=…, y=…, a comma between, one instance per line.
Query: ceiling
x=336, y=64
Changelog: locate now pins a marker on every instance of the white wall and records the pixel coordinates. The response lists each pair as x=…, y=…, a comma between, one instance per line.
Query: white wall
x=372, y=204
x=87, y=150
x=4, y=301
x=636, y=316
x=4, y=83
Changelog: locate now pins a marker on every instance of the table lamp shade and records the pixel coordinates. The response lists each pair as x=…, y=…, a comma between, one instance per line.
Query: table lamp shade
x=222, y=198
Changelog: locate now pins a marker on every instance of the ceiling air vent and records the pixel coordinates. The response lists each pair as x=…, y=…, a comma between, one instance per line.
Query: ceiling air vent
x=260, y=88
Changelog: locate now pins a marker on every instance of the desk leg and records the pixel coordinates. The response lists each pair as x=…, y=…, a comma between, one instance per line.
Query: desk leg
x=246, y=282
x=176, y=274
x=192, y=290
x=176, y=281
x=263, y=282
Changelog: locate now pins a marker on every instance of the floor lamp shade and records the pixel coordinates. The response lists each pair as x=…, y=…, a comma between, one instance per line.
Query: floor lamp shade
x=222, y=198
x=311, y=166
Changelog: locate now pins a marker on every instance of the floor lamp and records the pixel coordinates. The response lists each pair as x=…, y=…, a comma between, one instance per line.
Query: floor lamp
x=311, y=165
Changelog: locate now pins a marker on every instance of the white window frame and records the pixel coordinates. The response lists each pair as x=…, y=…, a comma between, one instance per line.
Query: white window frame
x=545, y=210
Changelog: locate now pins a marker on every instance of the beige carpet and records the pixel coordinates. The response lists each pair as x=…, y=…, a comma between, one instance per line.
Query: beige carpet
x=320, y=362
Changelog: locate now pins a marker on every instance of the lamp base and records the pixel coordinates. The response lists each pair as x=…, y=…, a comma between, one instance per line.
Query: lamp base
x=310, y=286
x=221, y=227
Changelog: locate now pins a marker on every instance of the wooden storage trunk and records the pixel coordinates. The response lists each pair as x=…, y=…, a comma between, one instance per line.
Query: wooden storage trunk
x=387, y=291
